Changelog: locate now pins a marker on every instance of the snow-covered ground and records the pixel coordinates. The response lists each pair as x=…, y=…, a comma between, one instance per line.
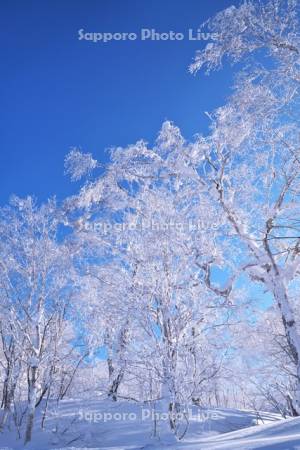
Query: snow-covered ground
x=78, y=424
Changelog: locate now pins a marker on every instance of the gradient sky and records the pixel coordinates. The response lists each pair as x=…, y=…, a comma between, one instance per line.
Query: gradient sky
x=58, y=92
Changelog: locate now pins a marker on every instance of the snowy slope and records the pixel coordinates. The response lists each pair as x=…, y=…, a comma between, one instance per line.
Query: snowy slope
x=284, y=435
x=78, y=424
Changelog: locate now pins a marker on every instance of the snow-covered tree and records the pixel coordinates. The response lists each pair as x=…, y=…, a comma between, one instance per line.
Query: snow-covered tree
x=36, y=284
x=246, y=169
x=252, y=154
x=157, y=297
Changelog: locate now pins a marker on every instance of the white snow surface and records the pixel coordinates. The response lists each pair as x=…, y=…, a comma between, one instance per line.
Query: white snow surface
x=80, y=425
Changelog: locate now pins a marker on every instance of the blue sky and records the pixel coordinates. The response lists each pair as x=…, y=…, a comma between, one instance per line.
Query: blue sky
x=58, y=92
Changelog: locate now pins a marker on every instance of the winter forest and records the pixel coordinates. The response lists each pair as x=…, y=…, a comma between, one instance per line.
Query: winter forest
x=170, y=282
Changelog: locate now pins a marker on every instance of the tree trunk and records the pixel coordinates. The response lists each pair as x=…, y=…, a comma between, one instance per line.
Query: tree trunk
x=9, y=388
x=168, y=394
x=113, y=390
x=32, y=398
x=292, y=336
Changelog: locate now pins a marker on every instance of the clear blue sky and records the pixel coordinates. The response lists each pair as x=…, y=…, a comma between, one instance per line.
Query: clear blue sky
x=58, y=92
